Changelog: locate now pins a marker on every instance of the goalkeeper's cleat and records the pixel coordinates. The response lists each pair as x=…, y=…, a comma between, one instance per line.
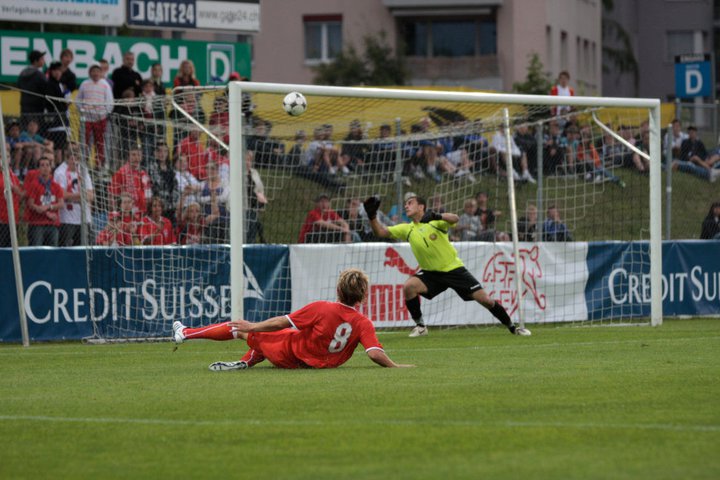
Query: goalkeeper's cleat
x=227, y=366
x=419, y=331
x=178, y=335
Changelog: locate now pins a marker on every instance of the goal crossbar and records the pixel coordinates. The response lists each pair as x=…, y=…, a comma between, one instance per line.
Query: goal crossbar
x=479, y=97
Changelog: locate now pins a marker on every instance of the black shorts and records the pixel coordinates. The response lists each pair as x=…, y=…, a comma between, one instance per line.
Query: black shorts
x=459, y=280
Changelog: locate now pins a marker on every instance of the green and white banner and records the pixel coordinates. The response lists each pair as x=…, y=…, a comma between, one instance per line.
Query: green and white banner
x=214, y=61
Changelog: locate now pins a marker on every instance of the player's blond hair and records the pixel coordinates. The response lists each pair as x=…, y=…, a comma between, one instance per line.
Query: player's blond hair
x=352, y=286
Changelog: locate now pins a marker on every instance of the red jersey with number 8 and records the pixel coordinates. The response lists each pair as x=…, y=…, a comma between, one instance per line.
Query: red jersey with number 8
x=325, y=336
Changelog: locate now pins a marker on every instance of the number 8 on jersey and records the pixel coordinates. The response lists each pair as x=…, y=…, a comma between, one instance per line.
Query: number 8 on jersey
x=342, y=334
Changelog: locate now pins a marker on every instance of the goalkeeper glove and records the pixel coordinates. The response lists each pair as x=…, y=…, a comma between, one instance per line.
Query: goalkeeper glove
x=430, y=216
x=371, y=206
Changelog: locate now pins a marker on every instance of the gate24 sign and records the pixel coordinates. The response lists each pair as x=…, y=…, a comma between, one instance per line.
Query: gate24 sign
x=159, y=13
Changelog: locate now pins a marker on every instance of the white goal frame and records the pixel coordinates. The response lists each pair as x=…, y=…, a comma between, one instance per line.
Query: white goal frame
x=236, y=89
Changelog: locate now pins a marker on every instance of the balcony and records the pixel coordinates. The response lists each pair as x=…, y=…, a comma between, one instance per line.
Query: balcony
x=481, y=71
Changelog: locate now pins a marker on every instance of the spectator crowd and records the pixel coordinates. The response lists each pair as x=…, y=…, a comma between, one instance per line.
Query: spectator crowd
x=150, y=188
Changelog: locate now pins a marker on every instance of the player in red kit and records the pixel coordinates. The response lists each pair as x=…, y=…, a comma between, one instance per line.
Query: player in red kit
x=319, y=335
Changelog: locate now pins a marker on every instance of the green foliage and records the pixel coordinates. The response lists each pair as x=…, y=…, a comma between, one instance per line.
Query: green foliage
x=537, y=82
x=580, y=403
x=376, y=65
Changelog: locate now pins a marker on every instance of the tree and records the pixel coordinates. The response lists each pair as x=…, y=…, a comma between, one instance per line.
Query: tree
x=537, y=81
x=375, y=66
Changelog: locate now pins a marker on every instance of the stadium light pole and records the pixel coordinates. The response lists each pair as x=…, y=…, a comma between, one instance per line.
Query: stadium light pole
x=13, y=238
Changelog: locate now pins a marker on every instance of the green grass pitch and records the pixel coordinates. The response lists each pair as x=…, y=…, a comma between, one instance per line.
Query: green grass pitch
x=585, y=403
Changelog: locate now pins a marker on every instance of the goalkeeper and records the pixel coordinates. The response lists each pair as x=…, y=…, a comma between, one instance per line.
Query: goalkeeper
x=440, y=266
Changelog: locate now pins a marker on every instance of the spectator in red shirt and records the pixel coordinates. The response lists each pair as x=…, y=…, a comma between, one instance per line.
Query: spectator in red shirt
x=319, y=335
x=122, y=226
x=191, y=148
x=131, y=179
x=323, y=224
x=44, y=200
x=191, y=221
x=186, y=75
x=156, y=229
x=17, y=195
x=191, y=225
x=562, y=89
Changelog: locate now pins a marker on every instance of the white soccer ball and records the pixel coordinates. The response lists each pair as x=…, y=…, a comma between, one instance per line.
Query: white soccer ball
x=295, y=103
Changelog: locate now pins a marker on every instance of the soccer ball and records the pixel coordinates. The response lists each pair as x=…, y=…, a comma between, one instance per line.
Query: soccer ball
x=295, y=103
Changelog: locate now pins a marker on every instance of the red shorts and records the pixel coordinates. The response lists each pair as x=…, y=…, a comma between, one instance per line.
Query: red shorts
x=275, y=347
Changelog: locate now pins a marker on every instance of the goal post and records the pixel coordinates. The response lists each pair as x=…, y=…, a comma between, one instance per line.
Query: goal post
x=334, y=102
x=655, y=217
x=237, y=194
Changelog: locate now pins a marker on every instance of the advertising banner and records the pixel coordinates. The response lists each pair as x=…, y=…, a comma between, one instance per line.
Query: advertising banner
x=214, y=62
x=176, y=14
x=560, y=282
x=243, y=16
x=619, y=282
x=110, y=13
x=547, y=271
x=238, y=16
x=137, y=289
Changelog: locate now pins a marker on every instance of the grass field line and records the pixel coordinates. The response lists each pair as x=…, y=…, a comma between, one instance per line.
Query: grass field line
x=47, y=349
x=559, y=344
x=291, y=422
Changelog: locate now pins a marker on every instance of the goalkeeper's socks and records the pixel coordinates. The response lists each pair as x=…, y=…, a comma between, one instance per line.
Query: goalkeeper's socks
x=216, y=331
x=252, y=357
x=413, y=306
x=499, y=312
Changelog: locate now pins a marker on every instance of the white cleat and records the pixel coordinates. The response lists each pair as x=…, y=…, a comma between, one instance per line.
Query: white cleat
x=178, y=335
x=419, y=331
x=227, y=366
x=523, y=332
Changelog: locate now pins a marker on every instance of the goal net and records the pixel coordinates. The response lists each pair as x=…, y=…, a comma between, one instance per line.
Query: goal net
x=579, y=189
x=158, y=216
x=213, y=203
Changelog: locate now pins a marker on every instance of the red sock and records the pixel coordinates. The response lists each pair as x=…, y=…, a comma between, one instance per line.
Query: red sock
x=216, y=331
x=252, y=357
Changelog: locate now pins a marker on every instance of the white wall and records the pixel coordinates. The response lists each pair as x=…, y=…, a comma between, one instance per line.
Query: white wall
x=580, y=19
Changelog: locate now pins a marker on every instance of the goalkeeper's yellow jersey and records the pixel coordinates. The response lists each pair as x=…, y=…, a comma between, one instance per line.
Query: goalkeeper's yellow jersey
x=430, y=244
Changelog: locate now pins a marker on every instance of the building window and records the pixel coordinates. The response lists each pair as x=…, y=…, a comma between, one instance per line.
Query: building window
x=549, y=46
x=453, y=39
x=563, y=50
x=323, y=37
x=679, y=43
x=579, y=69
x=449, y=38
